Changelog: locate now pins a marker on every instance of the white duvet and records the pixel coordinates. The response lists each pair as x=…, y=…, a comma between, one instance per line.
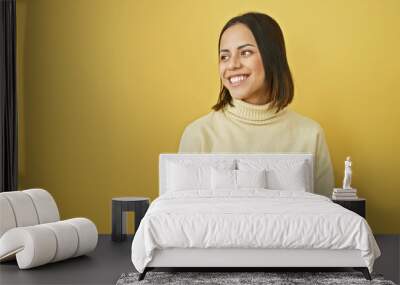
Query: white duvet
x=251, y=218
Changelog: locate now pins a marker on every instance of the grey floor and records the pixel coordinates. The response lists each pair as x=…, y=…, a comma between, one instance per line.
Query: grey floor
x=111, y=259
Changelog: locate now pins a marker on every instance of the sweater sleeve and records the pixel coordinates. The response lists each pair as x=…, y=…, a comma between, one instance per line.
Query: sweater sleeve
x=324, y=178
x=190, y=141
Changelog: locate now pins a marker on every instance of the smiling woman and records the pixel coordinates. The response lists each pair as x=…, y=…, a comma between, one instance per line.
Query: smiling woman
x=247, y=43
x=241, y=68
x=256, y=87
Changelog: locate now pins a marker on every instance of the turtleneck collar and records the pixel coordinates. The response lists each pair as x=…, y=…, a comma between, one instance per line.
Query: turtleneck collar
x=250, y=113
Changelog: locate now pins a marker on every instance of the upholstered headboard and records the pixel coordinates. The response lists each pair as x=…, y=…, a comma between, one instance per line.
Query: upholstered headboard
x=236, y=159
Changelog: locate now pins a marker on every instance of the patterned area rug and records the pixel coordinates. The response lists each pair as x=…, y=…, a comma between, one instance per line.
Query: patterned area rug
x=270, y=278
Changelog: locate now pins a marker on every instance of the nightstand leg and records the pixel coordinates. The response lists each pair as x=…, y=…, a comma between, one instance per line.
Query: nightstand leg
x=118, y=222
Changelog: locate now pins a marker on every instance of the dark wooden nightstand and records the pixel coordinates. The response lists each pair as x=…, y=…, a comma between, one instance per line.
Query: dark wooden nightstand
x=120, y=206
x=357, y=205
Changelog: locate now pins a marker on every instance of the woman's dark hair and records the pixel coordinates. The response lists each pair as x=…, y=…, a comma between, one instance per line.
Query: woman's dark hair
x=271, y=44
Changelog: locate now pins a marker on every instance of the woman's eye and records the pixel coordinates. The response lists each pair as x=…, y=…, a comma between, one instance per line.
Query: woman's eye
x=223, y=57
x=246, y=52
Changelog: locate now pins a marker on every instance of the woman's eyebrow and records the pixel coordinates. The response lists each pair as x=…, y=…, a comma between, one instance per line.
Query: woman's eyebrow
x=239, y=47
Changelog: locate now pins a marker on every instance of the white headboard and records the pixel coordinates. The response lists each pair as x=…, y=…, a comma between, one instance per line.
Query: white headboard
x=165, y=157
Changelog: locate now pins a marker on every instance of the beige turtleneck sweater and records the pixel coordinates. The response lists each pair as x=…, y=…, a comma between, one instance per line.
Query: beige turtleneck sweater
x=248, y=128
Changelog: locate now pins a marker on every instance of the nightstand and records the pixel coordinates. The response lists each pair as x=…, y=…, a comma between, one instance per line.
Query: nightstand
x=120, y=206
x=356, y=205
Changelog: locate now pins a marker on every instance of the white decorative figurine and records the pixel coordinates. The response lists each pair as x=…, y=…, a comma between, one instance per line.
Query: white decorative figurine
x=347, y=174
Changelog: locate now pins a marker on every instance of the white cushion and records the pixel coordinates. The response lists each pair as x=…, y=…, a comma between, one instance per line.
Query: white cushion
x=236, y=179
x=67, y=239
x=26, y=208
x=282, y=174
x=251, y=178
x=87, y=233
x=7, y=218
x=187, y=177
x=193, y=174
x=34, y=244
x=23, y=208
x=46, y=207
x=223, y=179
x=41, y=244
x=288, y=179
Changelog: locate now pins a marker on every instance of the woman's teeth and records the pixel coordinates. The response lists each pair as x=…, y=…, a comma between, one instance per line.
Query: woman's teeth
x=237, y=79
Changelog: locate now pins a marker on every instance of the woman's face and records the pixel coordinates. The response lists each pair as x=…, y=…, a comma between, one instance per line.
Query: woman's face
x=240, y=65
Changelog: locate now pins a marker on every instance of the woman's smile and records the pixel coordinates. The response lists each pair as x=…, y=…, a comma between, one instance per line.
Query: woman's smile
x=238, y=80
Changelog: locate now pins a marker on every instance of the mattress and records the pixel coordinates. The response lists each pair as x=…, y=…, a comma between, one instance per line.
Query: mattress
x=250, y=219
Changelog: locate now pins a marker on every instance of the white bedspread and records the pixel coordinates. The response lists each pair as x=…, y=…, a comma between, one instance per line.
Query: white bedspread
x=251, y=218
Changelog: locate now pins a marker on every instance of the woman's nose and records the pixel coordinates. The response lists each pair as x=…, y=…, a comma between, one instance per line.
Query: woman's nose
x=234, y=62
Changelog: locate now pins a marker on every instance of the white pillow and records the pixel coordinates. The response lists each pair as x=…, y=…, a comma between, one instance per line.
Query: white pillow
x=282, y=174
x=193, y=174
x=223, y=179
x=251, y=178
x=236, y=179
x=288, y=179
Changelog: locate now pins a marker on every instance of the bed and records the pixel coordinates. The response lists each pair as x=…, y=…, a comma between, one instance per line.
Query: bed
x=245, y=211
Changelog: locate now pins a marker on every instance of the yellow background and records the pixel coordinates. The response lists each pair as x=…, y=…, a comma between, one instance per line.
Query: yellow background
x=105, y=86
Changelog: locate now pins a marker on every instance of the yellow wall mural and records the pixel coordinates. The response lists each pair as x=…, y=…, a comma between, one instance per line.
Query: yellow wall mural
x=104, y=87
